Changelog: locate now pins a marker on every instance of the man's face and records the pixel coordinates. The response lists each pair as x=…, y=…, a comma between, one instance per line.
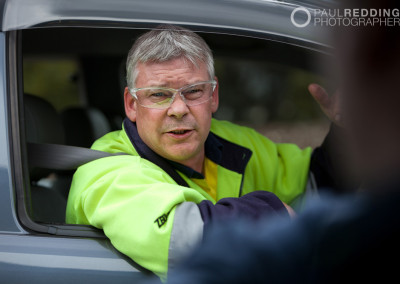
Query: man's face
x=177, y=133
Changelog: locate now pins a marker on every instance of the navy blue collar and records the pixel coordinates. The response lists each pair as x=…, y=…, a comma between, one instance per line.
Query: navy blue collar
x=222, y=152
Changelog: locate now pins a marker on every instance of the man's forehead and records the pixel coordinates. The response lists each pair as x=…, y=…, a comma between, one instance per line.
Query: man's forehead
x=171, y=73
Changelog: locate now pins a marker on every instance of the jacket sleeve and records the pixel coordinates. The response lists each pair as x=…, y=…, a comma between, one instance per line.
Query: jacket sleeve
x=135, y=204
x=254, y=205
x=328, y=163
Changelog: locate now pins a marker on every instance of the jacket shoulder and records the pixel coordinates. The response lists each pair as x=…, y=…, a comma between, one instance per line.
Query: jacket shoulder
x=241, y=135
x=115, y=142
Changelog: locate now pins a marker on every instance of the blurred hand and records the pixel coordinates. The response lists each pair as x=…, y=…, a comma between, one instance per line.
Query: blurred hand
x=330, y=105
x=290, y=210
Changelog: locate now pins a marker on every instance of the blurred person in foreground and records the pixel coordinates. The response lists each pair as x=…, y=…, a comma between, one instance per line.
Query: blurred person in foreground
x=349, y=239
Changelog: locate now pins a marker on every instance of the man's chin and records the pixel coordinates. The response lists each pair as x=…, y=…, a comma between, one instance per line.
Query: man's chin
x=180, y=154
x=181, y=158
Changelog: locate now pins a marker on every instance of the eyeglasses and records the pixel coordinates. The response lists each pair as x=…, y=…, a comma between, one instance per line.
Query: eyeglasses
x=162, y=98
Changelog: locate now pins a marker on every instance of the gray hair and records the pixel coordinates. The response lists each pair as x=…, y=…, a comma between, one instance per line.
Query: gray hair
x=164, y=43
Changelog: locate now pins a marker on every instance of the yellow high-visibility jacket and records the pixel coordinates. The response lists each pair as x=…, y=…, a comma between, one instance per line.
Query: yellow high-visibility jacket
x=155, y=221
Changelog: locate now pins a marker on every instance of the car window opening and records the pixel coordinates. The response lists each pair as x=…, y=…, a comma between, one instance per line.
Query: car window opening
x=73, y=96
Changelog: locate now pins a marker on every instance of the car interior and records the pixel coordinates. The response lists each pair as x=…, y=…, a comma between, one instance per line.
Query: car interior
x=74, y=78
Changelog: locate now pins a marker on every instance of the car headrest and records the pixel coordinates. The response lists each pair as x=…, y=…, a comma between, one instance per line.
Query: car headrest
x=42, y=122
x=43, y=125
x=83, y=126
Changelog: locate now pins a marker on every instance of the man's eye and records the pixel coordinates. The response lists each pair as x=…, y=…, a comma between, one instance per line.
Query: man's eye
x=193, y=91
x=158, y=95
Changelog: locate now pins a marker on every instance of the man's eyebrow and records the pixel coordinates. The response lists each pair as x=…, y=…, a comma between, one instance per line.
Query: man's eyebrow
x=167, y=85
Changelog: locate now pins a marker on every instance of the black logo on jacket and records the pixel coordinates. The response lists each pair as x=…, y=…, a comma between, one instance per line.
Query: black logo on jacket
x=162, y=219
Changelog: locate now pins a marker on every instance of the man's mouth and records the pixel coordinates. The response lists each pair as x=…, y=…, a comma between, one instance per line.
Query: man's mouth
x=180, y=133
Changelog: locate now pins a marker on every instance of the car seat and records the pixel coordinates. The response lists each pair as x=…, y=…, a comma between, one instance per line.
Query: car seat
x=43, y=125
x=83, y=126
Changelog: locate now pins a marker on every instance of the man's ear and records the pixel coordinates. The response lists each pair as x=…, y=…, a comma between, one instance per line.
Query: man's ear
x=215, y=97
x=130, y=105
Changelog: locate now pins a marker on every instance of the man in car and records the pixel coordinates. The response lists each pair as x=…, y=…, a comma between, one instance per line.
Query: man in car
x=182, y=169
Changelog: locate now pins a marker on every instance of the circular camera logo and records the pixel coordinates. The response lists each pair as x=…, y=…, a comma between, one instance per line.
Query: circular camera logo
x=300, y=10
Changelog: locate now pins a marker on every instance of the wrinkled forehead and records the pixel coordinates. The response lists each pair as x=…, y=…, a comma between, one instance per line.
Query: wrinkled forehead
x=173, y=73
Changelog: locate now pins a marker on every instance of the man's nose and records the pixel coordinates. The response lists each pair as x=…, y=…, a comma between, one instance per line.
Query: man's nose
x=178, y=107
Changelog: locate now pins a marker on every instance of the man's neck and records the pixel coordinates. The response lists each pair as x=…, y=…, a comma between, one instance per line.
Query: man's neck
x=196, y=163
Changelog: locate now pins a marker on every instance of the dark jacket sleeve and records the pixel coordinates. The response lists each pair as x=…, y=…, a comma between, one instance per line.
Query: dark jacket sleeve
x=253, y=205
x=328, y=163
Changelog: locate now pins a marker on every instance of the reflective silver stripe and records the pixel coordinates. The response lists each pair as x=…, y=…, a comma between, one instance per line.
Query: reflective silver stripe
x=310, y=192
x=187, y=232
x=311, y=187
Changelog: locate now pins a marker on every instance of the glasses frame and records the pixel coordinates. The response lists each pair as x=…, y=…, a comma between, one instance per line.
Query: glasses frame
x=175, y=91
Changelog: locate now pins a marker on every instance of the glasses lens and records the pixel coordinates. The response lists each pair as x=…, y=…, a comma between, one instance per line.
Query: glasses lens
x=161, y=98
x=198, y=93
x=155, y=98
